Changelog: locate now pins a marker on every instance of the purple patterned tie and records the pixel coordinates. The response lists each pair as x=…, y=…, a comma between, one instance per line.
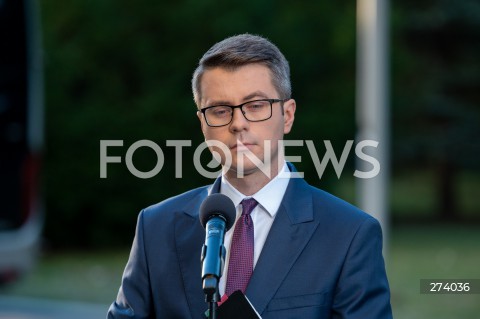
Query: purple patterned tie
x=240, y=265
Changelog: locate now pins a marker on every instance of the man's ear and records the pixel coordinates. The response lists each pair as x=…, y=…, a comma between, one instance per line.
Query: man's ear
x=289, y=108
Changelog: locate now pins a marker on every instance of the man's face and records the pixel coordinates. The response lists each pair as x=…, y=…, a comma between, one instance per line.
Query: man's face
x=250, y=82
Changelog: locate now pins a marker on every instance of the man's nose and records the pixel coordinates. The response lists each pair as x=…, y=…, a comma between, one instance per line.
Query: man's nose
x=239, y=122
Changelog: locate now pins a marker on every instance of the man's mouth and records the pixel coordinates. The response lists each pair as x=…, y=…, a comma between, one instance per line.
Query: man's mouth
x=240, y=146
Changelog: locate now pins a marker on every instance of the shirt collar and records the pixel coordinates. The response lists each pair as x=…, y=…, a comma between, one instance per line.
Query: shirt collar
x=269, y=196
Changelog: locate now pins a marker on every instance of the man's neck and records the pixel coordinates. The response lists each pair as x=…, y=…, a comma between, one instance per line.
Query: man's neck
x=252, y=182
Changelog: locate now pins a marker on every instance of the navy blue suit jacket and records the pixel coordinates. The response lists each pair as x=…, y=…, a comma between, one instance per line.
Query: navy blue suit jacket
x=322, y=259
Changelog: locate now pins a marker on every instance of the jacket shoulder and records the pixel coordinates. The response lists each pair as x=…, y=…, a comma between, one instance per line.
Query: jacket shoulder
x=188, y=202
x=336, y=209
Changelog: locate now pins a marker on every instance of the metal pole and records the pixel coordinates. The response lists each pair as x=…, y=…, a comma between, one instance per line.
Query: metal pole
x=372, y=106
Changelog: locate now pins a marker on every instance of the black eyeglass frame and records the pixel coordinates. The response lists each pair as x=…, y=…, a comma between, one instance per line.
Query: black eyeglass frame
x=243, y=113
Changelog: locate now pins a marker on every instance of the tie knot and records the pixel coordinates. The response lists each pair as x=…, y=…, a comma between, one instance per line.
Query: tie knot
x=248, y=205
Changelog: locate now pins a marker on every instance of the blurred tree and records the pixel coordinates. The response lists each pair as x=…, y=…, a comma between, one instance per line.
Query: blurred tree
x=120, y=70
x=436, y=91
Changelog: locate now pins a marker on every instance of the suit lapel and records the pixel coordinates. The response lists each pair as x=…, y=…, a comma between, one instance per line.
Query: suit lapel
x=290, y=232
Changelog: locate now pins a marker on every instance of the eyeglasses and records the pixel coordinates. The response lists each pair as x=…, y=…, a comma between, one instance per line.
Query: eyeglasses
x=253, y=111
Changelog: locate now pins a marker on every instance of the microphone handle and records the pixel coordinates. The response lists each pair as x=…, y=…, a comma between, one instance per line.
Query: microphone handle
x=213, y=255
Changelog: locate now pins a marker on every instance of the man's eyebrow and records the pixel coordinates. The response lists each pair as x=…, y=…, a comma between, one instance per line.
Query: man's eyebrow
x=219, y=102
x=256, y=94
x=251, y=96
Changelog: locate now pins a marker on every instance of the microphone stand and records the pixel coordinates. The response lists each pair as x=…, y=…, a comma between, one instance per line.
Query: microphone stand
x=212, y=310
x=210, y=288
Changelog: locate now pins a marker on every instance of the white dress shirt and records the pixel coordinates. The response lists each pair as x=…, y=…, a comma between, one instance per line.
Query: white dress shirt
x=269, y=199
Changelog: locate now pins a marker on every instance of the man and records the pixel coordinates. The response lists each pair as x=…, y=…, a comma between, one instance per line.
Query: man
x=311, y=254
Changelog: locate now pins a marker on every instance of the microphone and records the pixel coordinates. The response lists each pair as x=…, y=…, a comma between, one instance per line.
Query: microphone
x=217, y=215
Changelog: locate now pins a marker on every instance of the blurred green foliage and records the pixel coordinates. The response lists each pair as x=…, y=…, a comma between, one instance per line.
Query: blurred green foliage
x=436, y=92
x=121, y=70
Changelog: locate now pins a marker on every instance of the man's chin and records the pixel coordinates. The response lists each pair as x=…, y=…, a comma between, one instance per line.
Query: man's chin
x=239, y=171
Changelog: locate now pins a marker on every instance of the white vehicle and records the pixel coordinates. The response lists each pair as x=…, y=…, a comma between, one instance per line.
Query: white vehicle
x=21, y=137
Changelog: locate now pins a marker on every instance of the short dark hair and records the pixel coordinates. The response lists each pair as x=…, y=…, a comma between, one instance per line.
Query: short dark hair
x=240, y=50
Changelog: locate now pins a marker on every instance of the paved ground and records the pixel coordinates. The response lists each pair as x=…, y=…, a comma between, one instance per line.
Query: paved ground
x=30, y=308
